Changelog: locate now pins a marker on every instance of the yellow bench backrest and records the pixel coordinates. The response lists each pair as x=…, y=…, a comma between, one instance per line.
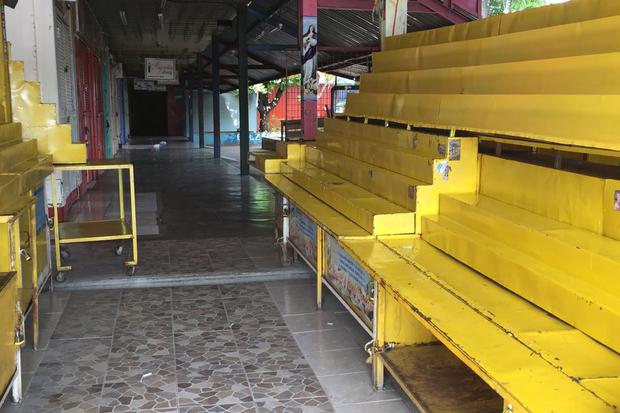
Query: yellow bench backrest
x=558, y=14
x=582, y=201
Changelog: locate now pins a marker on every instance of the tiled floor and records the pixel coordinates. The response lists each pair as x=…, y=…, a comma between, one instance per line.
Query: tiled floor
x=197, y=217
x=232, y=348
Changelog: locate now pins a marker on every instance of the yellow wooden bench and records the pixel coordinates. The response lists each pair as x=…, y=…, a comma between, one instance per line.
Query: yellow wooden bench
x=554, y=15
x=508, y=300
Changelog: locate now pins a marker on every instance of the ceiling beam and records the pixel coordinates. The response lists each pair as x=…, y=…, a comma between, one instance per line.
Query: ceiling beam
x=349, y=49
x=252, y=26
x=272, y=19
x=413, y=6
x=268, y=47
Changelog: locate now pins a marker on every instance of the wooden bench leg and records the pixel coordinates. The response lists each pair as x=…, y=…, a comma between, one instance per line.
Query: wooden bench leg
x=320, y=265
x=378, y=369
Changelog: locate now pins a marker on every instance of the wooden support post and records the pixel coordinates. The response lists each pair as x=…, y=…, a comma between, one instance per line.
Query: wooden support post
x=320, y=265
x=378, y=369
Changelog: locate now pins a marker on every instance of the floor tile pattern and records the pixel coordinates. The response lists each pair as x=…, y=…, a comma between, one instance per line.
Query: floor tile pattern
x=230, y=348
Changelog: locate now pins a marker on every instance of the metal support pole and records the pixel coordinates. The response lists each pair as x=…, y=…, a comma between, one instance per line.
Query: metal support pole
x=190, y=109
x=215, y=70
x=244, y=133
x=32, y=246
x=309, y=63
x=185, y=107
x=201, y=114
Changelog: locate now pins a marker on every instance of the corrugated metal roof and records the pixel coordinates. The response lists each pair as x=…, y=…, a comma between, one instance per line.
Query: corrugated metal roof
x=189, y=25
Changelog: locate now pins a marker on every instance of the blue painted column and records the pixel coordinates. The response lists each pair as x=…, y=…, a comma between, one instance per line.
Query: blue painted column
x=201, y=108
x=190, y=107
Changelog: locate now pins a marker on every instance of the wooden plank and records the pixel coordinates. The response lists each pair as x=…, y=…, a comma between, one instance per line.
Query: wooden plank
x=437, y=381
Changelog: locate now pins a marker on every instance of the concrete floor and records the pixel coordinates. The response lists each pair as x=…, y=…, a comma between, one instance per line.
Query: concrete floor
x=189, y=345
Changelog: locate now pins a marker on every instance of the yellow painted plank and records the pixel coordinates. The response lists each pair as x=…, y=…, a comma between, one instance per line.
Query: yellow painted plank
x=517, y=373
x=89, y=231
x=586, y=74
x=395, y=160
x=8, y=319
x=587, y=37
x=561, y=345
x=611, y=209
x=10, y=133
x=530, y=19
x=9, y=186
x=56, y=141
x=11, y=156
x=31, y=174
x=334, y=222
x=579, y=303
x=394, y=187
x=607, y=387
x=581, y=120
x=545, y=191
x=422, y=144
x=371, y=212
x=587, y=255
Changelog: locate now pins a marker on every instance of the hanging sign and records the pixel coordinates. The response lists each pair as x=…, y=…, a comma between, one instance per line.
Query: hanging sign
x=160, y=69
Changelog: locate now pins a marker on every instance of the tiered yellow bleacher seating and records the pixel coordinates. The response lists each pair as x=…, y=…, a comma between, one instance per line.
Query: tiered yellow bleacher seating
x=475, y=179
x=38, y=120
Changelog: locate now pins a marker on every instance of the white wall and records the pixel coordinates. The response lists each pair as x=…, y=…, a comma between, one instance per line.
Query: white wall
x=229, y=111
x=30, y=30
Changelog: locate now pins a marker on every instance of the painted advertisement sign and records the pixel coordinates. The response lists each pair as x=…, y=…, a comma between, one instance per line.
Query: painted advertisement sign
x=309, y=58
x=349, y=278
x=302, y=233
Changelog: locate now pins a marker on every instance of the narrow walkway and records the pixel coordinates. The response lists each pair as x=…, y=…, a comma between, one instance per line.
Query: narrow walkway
x=198, y=221
x=258, y=347
x=195, y=344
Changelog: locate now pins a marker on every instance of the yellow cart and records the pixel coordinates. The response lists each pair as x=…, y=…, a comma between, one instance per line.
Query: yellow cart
x=97, y=231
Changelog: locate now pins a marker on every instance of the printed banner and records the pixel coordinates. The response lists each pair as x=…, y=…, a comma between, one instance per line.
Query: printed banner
x=349, y=278
x=302, y=233
x=309, y=58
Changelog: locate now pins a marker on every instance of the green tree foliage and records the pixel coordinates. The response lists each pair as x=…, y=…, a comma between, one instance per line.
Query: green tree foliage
x=496, y=7
x=264, y=89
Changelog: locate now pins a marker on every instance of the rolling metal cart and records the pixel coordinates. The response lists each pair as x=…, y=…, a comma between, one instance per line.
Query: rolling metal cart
x=98, y=231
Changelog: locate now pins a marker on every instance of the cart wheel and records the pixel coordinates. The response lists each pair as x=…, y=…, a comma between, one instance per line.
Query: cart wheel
x=65, y=254
x=60, y=277
x=131, y=271
x=118, y=250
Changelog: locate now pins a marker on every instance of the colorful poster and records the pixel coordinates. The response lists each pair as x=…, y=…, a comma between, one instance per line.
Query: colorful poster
x=309, y=58
x=349, y=278
x=302, y=233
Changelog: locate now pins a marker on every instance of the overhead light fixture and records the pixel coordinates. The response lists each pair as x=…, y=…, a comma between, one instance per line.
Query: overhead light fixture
x=160, y=17
x=123, y=17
